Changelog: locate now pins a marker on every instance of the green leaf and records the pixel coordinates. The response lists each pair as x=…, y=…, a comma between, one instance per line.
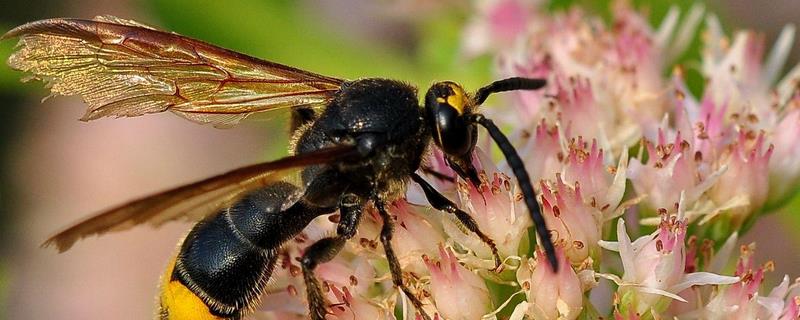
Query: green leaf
x=500, y=293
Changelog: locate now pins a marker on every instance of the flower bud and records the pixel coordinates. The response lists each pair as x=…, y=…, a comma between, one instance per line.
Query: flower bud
x=458, y=293
x=551, y=295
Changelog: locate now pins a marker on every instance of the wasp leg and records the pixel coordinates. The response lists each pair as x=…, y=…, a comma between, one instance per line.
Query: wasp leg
x=440, y=202
x=350, y=208
x=320, y=252
x=394, y=266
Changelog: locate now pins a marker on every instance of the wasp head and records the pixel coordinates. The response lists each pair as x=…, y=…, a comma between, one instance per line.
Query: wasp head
x=447, y=106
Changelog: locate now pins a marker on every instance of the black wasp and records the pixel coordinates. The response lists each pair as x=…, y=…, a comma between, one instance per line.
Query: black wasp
x=353, y=143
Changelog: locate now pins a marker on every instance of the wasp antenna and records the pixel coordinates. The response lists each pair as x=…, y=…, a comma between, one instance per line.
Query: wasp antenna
x=524, y=180
x=509, y=84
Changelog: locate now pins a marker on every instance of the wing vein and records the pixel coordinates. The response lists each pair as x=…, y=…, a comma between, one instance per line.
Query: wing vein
x=115, y=64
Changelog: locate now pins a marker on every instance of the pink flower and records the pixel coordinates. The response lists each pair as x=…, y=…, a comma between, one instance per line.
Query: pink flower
x=550, y=295
x=739, y=75
x=784, y=166
x=747, y=160
x=498, y=24
x=701, y=257
x=575, y=224
x=724, y=153
x=346, y=307
x=576, y=209
x=576, y=110
x=673, y=167
x=607, y=82
x=743, y=301
x=541, y=151
x=792, y=309
x=457, y=292
x=744, y=81
x=414, y=235
x=498, y=209
x=602, y=184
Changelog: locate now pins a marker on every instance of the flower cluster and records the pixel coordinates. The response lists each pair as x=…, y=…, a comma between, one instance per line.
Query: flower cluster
x=615, y=149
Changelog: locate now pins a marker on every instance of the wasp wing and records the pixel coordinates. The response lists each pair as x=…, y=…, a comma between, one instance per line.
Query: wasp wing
x=196, y=200
x=122, y=68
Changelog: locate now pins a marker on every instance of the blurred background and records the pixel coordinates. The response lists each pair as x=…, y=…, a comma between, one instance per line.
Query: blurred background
x=55, y=169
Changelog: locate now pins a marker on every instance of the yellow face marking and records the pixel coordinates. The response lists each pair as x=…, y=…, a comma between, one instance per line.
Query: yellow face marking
x=458, y=99
x=179, y=302
x=440, y=100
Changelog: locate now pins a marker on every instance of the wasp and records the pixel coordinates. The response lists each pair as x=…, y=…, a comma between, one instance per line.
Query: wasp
x=355, y=144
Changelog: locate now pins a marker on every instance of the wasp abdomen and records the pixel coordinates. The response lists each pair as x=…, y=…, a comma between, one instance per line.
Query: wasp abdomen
x=226, y=260
x=224, y=270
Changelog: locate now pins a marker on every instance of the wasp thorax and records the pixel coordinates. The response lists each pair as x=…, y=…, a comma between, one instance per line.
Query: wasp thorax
x=447, y=104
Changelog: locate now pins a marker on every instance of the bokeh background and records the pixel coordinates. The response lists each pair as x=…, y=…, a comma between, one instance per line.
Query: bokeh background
x=55, y=170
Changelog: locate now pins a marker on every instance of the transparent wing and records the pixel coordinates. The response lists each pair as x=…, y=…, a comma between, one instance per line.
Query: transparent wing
x=196, y=200
x=122, y=68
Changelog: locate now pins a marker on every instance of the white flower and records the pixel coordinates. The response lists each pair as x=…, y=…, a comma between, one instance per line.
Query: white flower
x=655, y=268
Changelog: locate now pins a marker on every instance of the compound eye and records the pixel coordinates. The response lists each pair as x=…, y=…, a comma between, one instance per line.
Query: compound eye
x=446, y=104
